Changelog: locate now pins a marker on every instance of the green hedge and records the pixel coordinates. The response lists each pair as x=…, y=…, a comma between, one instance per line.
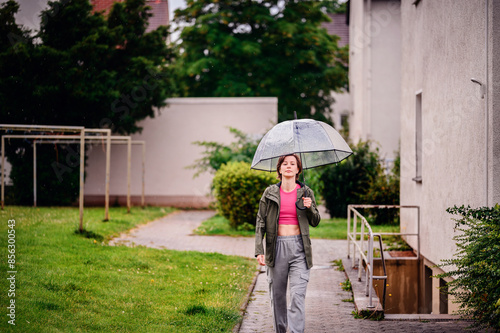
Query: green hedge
x=237, y=190
x=476, y=266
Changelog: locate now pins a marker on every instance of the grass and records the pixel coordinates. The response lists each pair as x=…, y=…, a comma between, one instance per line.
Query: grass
x=328, y=228
x=72, y=282
x=338, y=263
x=219, y=225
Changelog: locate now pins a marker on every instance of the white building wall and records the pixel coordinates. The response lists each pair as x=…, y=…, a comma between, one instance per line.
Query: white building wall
x=375, y=73
x=341, y=107
x=169, y=140
x=443, y=47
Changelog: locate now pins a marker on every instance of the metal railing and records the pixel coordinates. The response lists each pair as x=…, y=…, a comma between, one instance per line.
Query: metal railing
x=361, y=245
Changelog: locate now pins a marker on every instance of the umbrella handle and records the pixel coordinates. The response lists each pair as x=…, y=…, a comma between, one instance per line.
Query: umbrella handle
x=301, y=205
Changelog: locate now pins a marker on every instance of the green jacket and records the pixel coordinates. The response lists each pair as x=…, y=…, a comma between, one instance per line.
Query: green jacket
x=268, y=217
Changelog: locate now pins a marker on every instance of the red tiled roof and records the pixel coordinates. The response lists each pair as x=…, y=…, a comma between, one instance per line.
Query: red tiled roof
x=159, y=9
x=338, y=27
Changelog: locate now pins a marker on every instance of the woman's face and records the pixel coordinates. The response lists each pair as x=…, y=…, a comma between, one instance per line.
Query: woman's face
x=289, y=167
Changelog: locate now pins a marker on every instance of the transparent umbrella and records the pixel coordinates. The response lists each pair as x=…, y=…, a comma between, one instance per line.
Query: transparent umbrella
x=316, y=142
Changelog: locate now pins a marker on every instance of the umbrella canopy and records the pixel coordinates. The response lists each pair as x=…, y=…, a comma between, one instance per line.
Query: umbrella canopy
x=316, y=142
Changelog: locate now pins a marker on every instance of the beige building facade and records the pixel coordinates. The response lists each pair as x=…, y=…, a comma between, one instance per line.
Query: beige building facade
x=446, y=99
x=375, y=73
x=450, y=129
x=169, y=138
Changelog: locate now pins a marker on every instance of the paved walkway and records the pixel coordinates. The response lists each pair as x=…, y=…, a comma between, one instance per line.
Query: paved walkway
x=325, y=309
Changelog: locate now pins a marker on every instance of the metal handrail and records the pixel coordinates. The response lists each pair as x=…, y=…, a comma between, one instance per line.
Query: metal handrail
x=352, y=236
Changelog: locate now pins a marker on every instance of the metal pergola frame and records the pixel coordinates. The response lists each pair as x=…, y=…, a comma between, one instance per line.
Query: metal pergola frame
x=52, y=129
x=69, y=139
x=117, y=140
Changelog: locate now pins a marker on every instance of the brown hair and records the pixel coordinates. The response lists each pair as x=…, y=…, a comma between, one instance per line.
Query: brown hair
x=282, y=159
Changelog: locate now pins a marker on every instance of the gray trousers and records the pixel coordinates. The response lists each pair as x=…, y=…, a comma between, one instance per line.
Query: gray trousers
x=289, y=266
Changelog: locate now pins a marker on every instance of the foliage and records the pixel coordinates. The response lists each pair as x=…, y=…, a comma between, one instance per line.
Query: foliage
x=238, y=190
x=360, y=179
x=346, y=285
x=261, y=48
x=312, y=178
x=346, y=183
x=476, y=269
x=66, y=282
x=384, y=190
x=80, y=69
x=334, y=6
x=217, y=154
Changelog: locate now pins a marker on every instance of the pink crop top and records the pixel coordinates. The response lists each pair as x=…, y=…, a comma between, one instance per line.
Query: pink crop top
x=288, y=212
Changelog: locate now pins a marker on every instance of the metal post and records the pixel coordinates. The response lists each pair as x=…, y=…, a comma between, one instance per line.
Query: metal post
x=362, y=241
x=348, y=232
x=370, y=279
x=82, y=174
x=369, y=265
x=354, y=227
x=129, y=172
x=108, y=168
x=34, y=173
x=143, y=172
x=3, y=170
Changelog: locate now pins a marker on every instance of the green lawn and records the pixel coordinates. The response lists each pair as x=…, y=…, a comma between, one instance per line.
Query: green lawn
x=328, y=228
x=69, y=282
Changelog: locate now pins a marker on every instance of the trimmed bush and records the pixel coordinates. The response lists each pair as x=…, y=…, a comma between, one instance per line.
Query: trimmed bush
x=476, y=266
x=237, y=190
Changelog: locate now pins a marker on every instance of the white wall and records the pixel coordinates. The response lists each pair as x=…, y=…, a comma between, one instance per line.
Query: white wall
x=443, y=48
x=169, y=138
x=375, y=73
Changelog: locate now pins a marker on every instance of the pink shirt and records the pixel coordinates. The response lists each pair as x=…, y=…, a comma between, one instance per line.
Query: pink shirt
x=288, y=211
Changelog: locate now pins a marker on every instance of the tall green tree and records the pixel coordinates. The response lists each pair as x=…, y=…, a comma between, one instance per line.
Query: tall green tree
x=83, y=69
x=261, y=48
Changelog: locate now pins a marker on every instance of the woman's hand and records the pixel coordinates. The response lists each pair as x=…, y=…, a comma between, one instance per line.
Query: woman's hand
x=307, y=202
x=261, y=259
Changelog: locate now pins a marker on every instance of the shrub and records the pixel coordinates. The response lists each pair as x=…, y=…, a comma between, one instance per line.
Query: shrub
x=237, y=190
x=361, y=180
x=476, y=266
x=346, y=183
x=383, y=190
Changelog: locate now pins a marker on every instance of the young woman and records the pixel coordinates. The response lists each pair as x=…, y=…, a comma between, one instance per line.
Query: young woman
x=285, y=212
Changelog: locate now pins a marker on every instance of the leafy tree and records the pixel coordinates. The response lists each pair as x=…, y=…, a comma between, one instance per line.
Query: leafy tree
x=81, y=69
x=261, y=48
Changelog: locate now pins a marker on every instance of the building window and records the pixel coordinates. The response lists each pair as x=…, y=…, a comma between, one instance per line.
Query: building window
x=418, y=137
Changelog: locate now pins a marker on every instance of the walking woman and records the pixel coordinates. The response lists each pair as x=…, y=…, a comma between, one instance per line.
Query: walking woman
x=285, y=212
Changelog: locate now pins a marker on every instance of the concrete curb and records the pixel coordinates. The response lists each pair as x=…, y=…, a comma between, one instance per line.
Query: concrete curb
x=361, y=301
x=245, y=302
